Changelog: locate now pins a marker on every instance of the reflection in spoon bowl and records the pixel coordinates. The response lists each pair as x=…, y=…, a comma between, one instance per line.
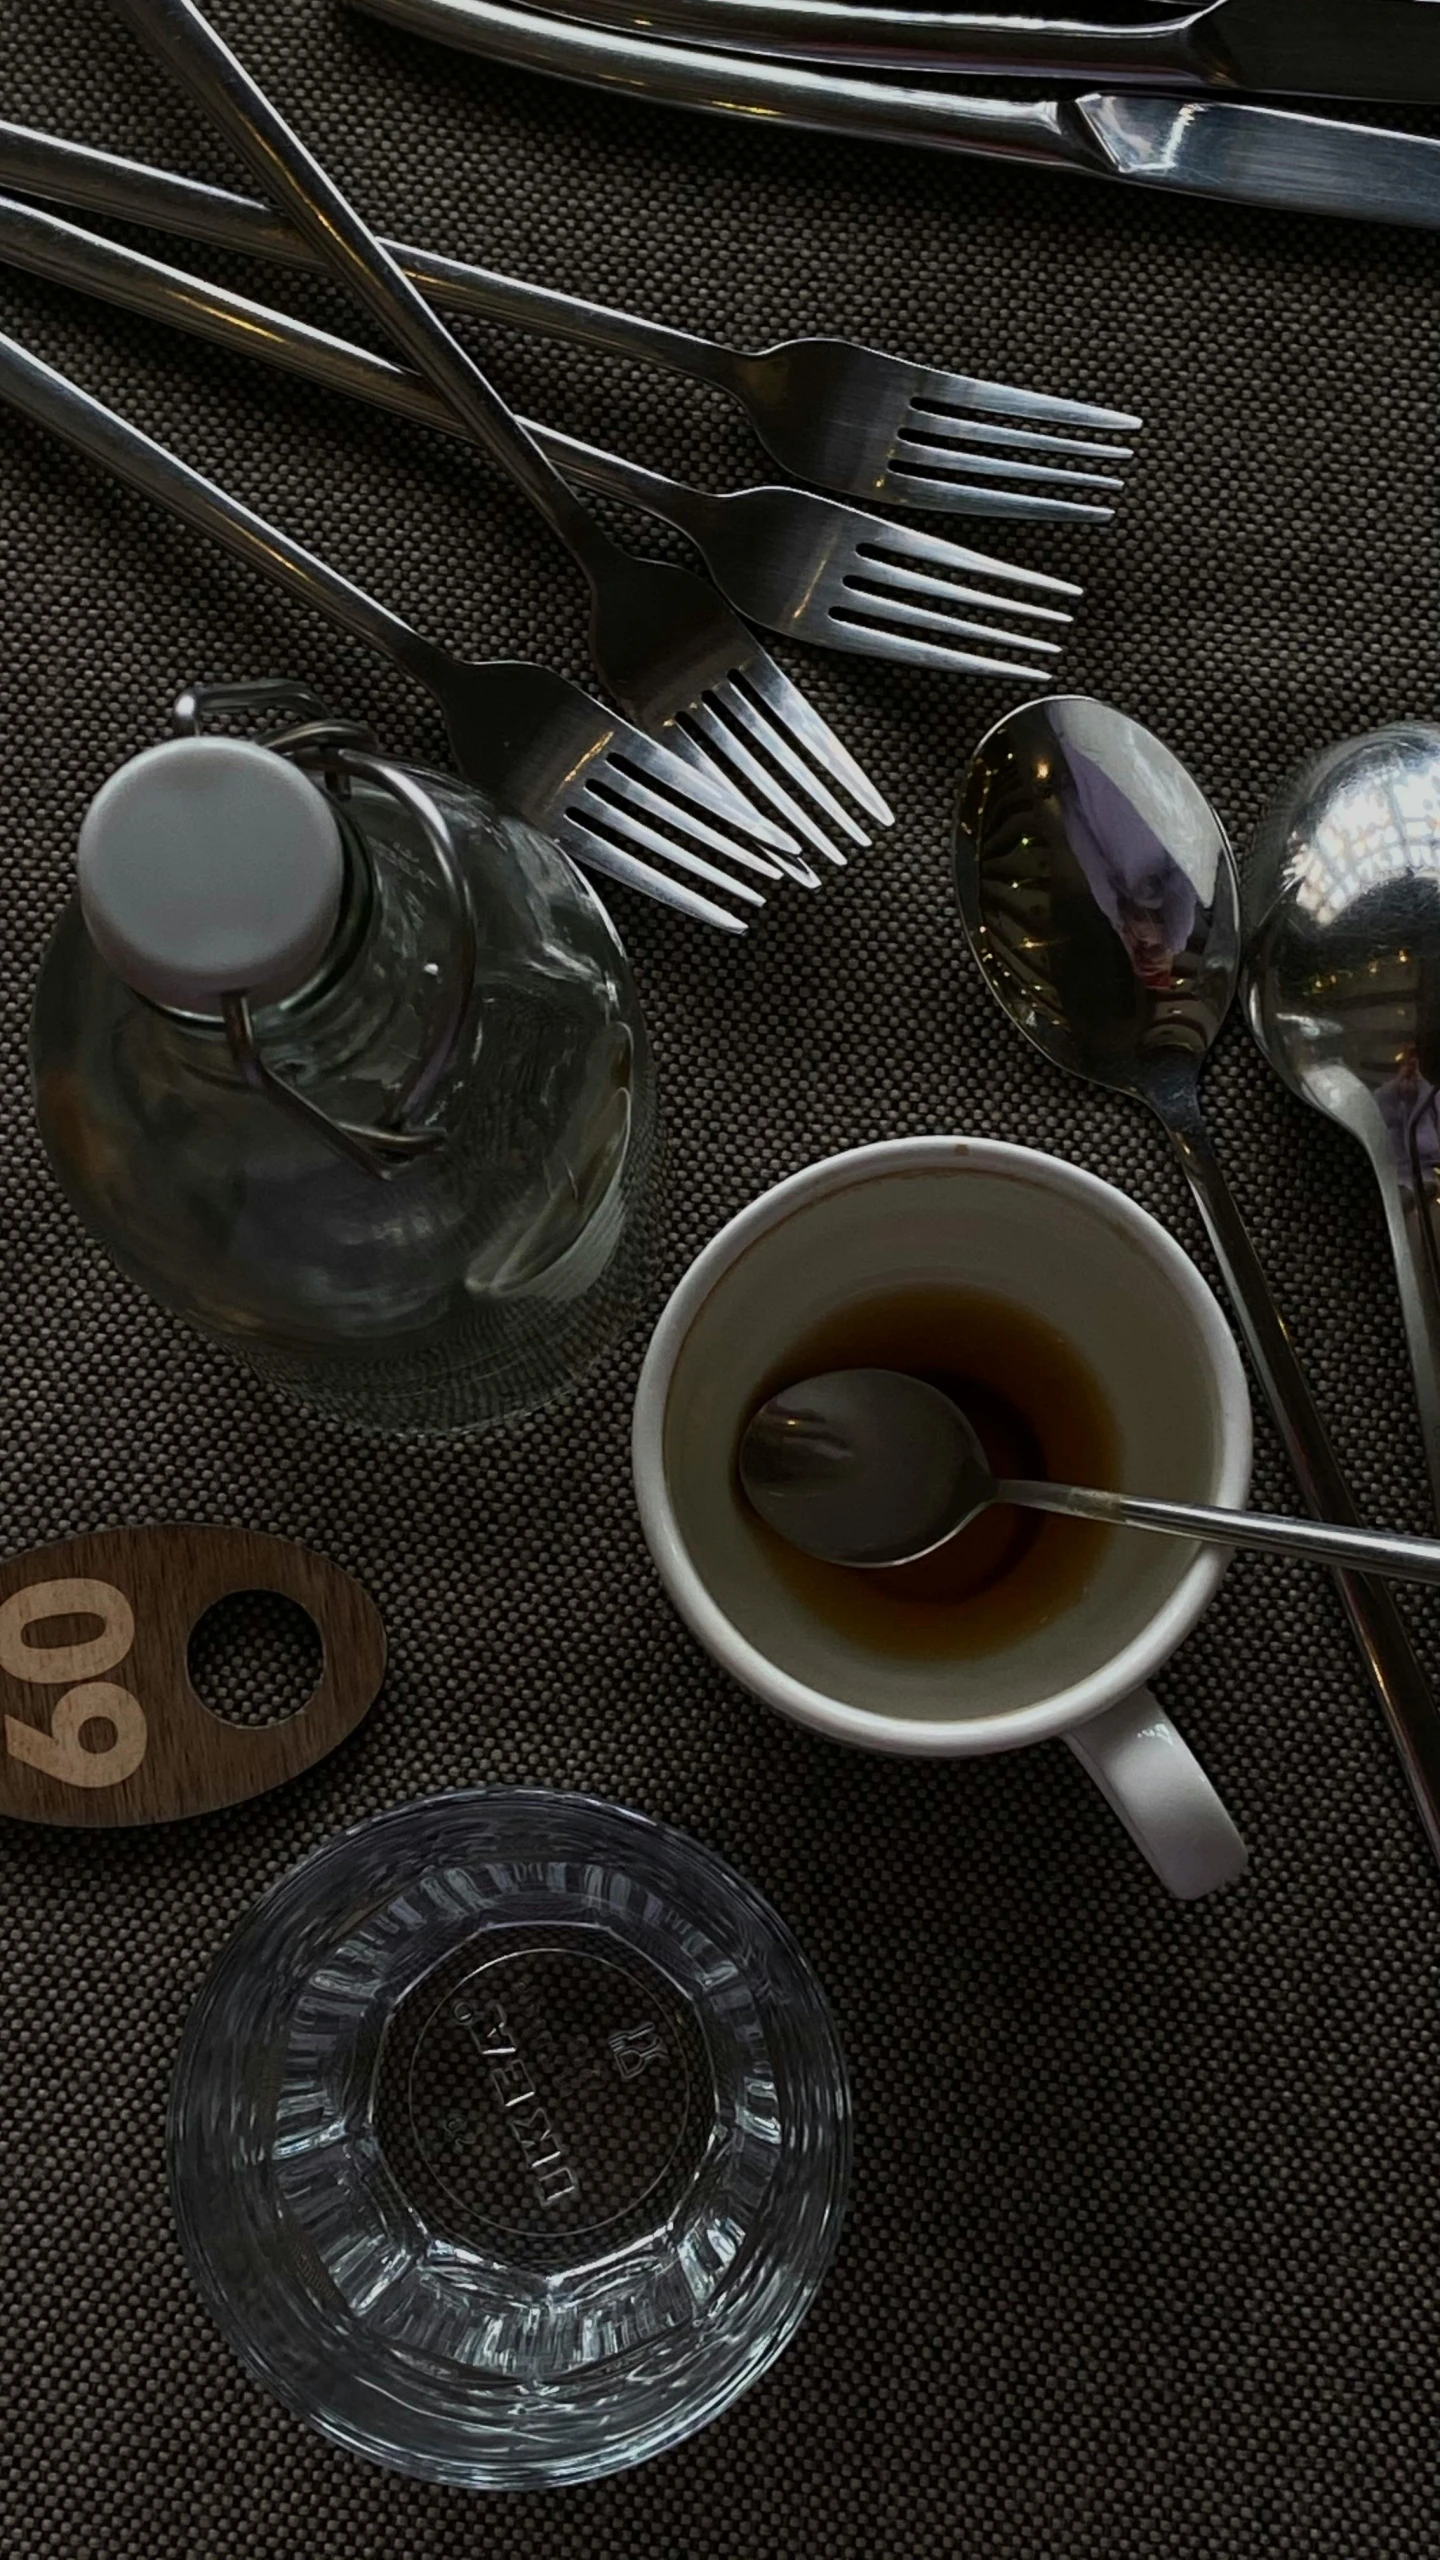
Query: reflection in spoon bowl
x=1098, y=888
x=1342, y=986
x=1049, y=863
x=871, y=1468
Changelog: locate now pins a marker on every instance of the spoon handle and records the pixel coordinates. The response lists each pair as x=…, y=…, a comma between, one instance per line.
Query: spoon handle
x=1411, y=1218
x=1315, y=1541
x=1400, y=1684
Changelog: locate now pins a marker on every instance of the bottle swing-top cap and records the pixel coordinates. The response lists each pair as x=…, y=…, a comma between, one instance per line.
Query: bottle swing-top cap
x=210, y=867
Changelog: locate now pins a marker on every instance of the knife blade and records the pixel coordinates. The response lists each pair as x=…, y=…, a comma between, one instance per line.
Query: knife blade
x=1261, y=155
x=1385, y=49
x=1189, y=146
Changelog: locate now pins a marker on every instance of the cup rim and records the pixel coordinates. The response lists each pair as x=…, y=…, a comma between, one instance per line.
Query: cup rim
x=927, y=1736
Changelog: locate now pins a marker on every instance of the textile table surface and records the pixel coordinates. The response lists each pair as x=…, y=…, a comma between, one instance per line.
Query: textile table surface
x=1141, y=2260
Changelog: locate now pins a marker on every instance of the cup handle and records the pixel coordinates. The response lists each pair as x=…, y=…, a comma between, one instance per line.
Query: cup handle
x=1149, y=1775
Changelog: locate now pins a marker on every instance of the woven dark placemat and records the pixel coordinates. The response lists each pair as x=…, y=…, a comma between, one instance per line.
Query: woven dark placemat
x=1142, y=2257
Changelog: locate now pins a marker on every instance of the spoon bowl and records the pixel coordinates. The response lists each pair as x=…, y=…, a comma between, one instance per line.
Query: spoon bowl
x=872, y=1467
x=1342, y=987
x=1099, y=893
x=864, y=1467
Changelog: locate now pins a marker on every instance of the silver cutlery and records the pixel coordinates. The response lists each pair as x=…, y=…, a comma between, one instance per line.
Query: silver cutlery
x=1341, y=902
x=846, y=417
x=1100, y=897
x=801, y=564
x=615, y=800
x=678, y=661
x=1200, y=146
x=816, y=570
x=871, y=1468
x=1296, y=48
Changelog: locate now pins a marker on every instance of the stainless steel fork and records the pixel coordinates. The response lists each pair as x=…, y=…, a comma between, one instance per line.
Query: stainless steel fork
x=828, y=573
x=669, y=650
x=612, y=798
x=847, y=418
x=801, y=564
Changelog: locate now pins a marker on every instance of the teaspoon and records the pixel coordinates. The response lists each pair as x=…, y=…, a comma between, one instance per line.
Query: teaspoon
x=1099, y=892
x=871, y=1467
x=1342, y=987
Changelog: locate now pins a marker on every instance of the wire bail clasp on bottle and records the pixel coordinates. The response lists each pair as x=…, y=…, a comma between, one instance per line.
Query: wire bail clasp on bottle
x=339, y=752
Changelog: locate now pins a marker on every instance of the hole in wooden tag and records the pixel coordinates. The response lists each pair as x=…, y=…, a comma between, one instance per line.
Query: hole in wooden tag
x=255, y=1658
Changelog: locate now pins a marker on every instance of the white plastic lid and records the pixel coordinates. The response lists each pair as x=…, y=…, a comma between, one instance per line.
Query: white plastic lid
x=210, y=867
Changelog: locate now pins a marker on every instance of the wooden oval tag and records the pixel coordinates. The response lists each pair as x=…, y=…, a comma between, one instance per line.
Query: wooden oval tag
x=108, y=1729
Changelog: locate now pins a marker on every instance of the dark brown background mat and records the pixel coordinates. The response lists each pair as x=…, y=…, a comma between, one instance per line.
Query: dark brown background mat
x=1144, y=2250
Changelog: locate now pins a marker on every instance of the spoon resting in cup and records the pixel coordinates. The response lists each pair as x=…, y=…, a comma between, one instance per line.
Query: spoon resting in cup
x=871, y=1467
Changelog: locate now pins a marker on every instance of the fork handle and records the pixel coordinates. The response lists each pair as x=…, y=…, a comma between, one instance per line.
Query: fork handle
x=692, y=511
x=188, y=46
x=44, y=245
x=72, y=173
x=52, y=400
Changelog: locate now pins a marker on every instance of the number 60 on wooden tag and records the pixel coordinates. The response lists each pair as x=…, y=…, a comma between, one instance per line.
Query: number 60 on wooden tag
x=100, y=1724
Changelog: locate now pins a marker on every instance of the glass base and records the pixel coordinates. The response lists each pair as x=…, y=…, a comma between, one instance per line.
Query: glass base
x=509, y=2139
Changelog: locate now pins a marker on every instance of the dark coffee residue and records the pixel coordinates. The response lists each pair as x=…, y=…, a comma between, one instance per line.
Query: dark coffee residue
x=1038, y=1411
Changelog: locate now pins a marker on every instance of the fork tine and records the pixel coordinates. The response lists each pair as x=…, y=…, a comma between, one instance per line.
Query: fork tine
x=877, y=607
x=619, y=781
x=730, y=714
x=593, y=853
x=692, y=778
x=798, y=718
x=1002, y=400
x=637, y=779
x=903, y=542
x=890, y=578
x=942, y=495
x=721, y=739
x=936, y=449
x=733, y=705
x=878, y=639
x=717, y=749
x=596, y=814
x=1032, y=439
x=877, y=565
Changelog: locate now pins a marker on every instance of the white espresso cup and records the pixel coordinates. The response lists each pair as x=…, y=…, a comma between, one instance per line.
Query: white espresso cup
x=1060, y=1246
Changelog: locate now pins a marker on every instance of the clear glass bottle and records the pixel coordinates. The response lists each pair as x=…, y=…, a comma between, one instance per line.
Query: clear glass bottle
x=349, y=1071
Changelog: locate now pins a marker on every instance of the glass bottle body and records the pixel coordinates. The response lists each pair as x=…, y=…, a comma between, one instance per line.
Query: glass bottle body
x=486, y=1274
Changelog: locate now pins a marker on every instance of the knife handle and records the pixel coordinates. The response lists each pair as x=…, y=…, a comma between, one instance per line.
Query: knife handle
x=1171, y=53
x=1044, y=132
x=1239, y=154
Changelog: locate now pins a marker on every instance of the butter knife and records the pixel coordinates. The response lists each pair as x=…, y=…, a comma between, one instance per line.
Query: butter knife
x=1190, y=146
x=1296, y=48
